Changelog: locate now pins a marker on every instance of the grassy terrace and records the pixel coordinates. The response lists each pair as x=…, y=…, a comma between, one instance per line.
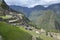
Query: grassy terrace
x=6, y=17
x=9, y=32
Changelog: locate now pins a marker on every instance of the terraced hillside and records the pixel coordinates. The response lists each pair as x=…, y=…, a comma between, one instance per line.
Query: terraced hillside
x=11, y=16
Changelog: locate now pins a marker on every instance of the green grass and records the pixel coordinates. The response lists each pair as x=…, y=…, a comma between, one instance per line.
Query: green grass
x=6, y=17
x=9, y=32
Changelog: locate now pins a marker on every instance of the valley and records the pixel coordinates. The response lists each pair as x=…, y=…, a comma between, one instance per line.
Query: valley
x=40, y=25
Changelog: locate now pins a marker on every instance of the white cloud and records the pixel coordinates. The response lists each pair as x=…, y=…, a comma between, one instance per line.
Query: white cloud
x=31, y=3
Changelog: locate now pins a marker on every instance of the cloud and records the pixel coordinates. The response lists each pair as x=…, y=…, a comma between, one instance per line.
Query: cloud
x=31, y=3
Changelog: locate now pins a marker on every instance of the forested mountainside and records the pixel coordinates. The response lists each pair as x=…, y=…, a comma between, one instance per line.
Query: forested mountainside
x=46, y=19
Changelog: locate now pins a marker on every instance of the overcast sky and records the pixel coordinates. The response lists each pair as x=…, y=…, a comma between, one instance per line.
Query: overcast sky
x=31, y=3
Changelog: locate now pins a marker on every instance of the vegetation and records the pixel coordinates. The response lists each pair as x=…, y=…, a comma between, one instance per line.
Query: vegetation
x=46, y=19
x=9, y=32
x=6, y=17
x=41, y=36
x=3, y=4
x=44, y=37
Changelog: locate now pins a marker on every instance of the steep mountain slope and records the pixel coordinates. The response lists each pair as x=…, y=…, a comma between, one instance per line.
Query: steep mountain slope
x=55, y=8
x=42, y=17
x=46, y=19
x=11, y=16
x=3, y=4
x=25, y=10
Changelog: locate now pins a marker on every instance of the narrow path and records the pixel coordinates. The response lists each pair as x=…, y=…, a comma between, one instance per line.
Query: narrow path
x=0, y=37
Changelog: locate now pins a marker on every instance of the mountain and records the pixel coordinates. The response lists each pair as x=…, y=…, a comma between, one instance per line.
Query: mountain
x=26, y=10
x=8, y=18
x=38, y=7
x=3, y=4
x=39, y=17
x=55, y=8
x=11, y=16
x=46, y=19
